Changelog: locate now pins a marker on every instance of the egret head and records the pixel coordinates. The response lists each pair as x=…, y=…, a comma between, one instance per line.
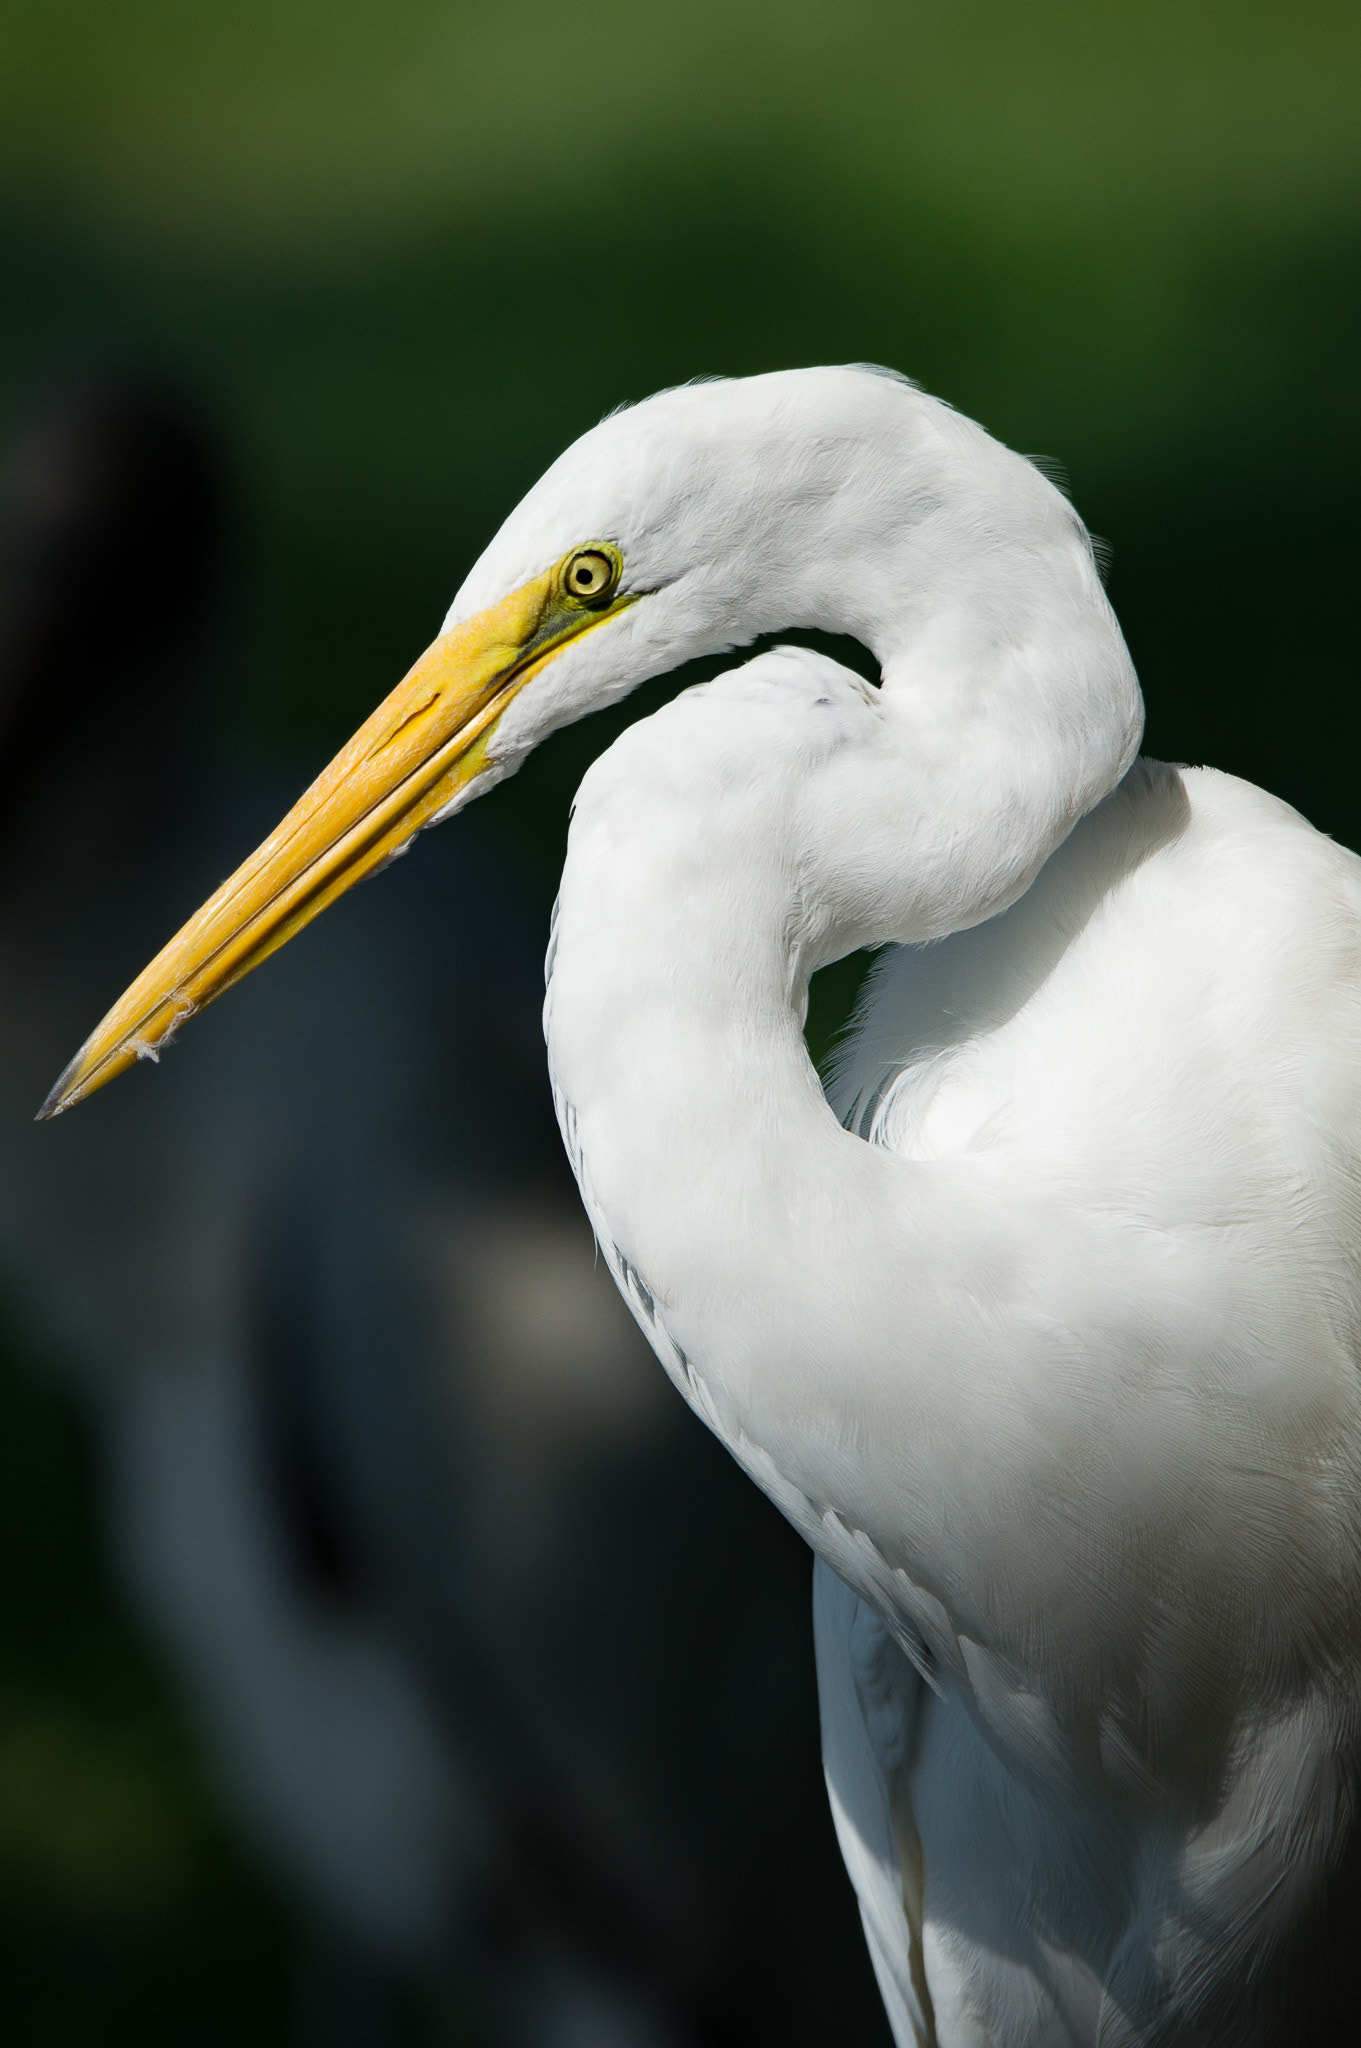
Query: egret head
x=692, y=523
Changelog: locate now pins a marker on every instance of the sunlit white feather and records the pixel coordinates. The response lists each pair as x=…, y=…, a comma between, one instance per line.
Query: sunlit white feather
x=1057, y=1372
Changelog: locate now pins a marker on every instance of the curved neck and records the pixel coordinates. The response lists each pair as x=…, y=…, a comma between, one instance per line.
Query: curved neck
x=834, y=1311
x=762, y=826
x=740, y=1219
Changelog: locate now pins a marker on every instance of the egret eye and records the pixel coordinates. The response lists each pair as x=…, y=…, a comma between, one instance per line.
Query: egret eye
x=591, y=574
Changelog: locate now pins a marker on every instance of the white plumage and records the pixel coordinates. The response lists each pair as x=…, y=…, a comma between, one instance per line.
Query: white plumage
x=1051, y=1353
x=1058, y=1372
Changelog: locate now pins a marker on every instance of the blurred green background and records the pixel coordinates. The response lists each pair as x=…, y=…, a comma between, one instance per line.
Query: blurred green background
x=401, y=254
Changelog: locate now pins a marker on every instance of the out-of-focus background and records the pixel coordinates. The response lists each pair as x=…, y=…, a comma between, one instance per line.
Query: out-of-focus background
x=339, y=280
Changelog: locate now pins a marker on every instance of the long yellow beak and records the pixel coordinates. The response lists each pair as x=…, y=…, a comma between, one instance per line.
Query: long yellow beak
x=423, y=745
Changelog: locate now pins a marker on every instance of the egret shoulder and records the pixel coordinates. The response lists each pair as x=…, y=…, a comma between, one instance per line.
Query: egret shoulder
x=1180, y=988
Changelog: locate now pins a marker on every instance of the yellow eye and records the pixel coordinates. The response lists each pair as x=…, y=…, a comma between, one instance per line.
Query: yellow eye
x=590, y=575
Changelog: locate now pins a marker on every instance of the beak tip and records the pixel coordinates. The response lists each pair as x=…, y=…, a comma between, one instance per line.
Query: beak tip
x=71, y=1086
x=56, y=1099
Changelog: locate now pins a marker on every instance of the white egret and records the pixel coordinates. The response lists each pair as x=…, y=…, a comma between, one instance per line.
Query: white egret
x=1051, y=1350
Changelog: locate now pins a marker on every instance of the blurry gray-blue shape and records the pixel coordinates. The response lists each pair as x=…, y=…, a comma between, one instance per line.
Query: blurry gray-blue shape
x=388, y=1464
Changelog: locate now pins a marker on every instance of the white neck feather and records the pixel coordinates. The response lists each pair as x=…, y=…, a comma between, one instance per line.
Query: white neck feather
x=755, y=829
x=764, y=825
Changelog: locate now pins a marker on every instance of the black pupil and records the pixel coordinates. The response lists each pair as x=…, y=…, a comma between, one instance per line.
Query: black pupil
x=585, y=575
